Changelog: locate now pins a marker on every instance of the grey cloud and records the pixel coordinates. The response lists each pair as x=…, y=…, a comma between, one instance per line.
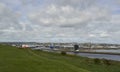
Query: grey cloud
x=54, y=15
x=77, y=20
x=8, y=18
x=76, y=3
x=65, y=20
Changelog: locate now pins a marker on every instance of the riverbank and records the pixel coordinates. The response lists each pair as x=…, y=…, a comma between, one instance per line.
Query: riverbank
x=89, y=54
x=27, y=60
x=100, y=53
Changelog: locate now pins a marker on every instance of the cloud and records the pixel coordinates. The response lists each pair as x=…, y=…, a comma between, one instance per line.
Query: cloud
x=66, y=15
x=63, y=20
x=8, y=18
x=9, y=22
x=67, y=18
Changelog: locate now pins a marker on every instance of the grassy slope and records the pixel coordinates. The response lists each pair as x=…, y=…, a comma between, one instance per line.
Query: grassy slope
x=25, y=60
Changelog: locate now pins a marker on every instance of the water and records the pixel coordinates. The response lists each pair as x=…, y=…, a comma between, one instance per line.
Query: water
x=100, y=56
x=107, y=51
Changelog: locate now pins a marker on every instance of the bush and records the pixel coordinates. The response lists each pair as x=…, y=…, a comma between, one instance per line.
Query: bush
x=106, y=62
x=97, y=61
x=63, y=53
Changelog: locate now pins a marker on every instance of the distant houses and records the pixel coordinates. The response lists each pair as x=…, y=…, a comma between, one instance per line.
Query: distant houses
x=63, y=45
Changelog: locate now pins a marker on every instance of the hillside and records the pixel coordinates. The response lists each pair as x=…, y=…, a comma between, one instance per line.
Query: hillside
x=13, y=59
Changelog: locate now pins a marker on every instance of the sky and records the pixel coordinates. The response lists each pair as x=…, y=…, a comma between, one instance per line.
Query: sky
x=96, y=21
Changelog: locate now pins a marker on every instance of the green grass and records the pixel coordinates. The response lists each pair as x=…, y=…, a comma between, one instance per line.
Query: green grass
x=13, y=59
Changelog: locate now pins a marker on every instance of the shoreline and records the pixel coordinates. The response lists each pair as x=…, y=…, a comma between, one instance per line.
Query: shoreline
x=107, y=53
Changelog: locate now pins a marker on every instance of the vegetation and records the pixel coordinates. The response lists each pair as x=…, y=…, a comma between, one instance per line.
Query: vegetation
x=63, y=53
x=100, y=61
x=97, y=61
x=13, y=59
x=106, y=62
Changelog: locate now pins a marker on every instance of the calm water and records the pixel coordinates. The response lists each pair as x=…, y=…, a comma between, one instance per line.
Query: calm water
x=108, y=51
x=100, y=56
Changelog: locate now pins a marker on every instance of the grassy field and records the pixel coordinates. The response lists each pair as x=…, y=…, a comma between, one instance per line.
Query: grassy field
x=13, y=59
